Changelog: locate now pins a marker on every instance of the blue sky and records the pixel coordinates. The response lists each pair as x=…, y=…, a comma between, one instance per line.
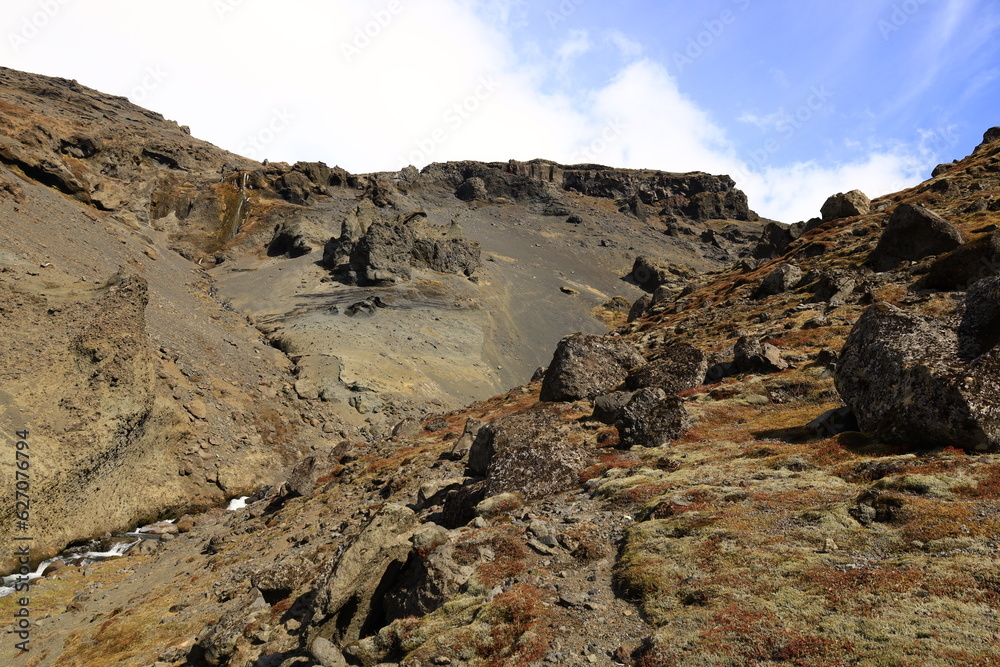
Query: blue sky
x=795, y=100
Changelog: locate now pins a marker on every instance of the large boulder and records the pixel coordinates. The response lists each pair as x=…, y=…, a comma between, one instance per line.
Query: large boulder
x=640, y=307
x=846, y=205
x=752, y=356
x=775, y=239
x=783, y=279
x=348, y=598
x=965, y=265
x=834, y=287
x=531, y=452
x=914, y=380
x=430, y=579
x=652, y=419
x=991, y=135
x=979, y=331
x=472, y=189
x=680, y=367
x=585, y=366
x=913, y=232
x=649, y=274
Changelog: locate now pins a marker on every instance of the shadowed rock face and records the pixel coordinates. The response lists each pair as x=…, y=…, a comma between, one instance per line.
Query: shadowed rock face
x=963, y=266
x=652, y=419
x=906, y=380
x=913, y=233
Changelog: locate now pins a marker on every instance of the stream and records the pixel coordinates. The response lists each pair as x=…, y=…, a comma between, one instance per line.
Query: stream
x=103, y=549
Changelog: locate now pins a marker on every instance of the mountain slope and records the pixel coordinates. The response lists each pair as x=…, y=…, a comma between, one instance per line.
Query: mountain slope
x=722, y=516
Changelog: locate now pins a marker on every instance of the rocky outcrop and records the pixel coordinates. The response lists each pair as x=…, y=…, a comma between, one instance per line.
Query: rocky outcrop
x=834, y=287
x=381, y=252
x=783, y=279
x=965, y=265
x=752, y=356
x=585, y=366
x=694, y=195
x=678, y=368
x=846, y=205
x=346, y=598
x=922, y=382
x=775, y=239
x=528, y=453
x=912, y=233
x=296, y=238
x=652, y=419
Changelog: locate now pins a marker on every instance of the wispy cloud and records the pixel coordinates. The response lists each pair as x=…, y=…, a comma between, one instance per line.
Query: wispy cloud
x=576, y=44
x=628, y=48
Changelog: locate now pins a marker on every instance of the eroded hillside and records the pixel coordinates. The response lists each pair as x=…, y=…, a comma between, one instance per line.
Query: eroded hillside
x=183, y=324
x=691, y=492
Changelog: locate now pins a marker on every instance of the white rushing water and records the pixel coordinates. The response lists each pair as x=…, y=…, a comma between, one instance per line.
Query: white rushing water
x=69, y=558
x=237, y=503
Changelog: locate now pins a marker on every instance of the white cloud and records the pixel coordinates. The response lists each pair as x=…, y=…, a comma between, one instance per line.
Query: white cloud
x=374, y=85
x=769, y=122
x=628, y=48
x=576, y=44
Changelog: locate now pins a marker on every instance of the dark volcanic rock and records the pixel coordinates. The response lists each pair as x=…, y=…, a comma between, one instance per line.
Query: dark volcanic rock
x=904, y=378
x=846, y=205
x=386, y=252
x=979, y=331
x=652, y=419
x=608, y=406
x=585, y=366
x=783, y=279
x=296, y=238
x=640, y=307
x=350, y=590
x=775, y=239
x=913, y=233
x=427, y=582
x=834, y=287
x=965, y=265
x=753, y=357
x=649, y=275
x=281, y=579
x=679, y=368
x=472, y=189
x=447, y=255
x=527, y=453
